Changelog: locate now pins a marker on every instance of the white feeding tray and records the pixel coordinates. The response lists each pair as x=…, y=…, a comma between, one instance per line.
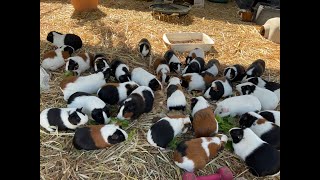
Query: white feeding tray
x=187, y=41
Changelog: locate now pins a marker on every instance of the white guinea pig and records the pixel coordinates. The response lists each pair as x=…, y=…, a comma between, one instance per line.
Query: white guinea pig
x=80, y=63
x=176, y=100
x=193, y=81
x=53, y=60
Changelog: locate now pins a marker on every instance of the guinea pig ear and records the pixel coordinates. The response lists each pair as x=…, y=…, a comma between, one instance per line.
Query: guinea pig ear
x=224, y=110
x=79, y=109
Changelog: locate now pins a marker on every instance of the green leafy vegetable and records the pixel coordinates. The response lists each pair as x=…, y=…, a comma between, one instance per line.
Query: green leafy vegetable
x=123, y=123
x=173, y=144
x=225, y=123
x=229, y=146
x=131, y=134
x=68, y=73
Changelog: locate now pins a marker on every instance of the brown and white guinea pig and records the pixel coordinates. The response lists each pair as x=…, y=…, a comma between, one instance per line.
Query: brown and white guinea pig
x=53, y=60
x=197, y=52
x=265, y=130
x=165, y=129
x=272, y=86
x=272, y=116
x=80, y=63
x=101, y=63
x=89, y=84
x=219, y=88
x=176, y=100
x=114, y=93
x=94, y=137
x=91, y=105
x=208, y=78
x=162, y=70
x=245, y=15
x=173, y=61
x=196, y=65
x=204, y=122
x=62, y=118
x=268, y=99
x=234, y=73
x=120, y=71
x=212, y=67
x=144, y=78
x=194, y=154
x=193, y=81
x=59, y=39
x=145, y=49
x=261, y=158
x=256, y=69
x=138, y=102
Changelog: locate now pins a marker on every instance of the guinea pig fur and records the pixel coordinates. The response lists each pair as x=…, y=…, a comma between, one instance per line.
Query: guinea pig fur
x=193, y=81
x=212, y=67
x=219, y=88
x=162, y=70
x=98, y=137
x=59, y=39
x=235, y=72
x=114, y=93
x=93, y=106
x=256, y=69
x=237, y=105
x=261, y=158
x=272, y=86
x=268, y=99
x=163, y=131
x=266, y=130
x=194, y=154
x=197, y=52
x=80, y=63
x=120, y=71
x=53, y=60
x=144, y=47
x=196, y=65
x=176, y=100
x=101, y=63
x=144, y=78
x=62, y=118
x=208, y=78
x=272, y=116
x=204, y=122
x=138, y=102
x=173, y=61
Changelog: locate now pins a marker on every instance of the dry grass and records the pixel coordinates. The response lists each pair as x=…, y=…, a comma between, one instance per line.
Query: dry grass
x=115, y=30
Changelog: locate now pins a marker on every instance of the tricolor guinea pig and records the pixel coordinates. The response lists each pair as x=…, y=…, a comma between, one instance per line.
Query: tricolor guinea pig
x=114, y=93
x=268, y=99
x=193, y=81
x=120, y=71
x=145, y=49
x=196, y=65
x=204, y=122
x=261, y=158
x=144, y=78
x=80, y=63
x=197, y=52
x=62, y=118
x=59, y=39
x=98, y=137
x=219, y=88
x=272, y=86
x=176, y=100
x=235, y=72
x=164, y=130
x=265, y=130
x=53, y=60
x=237, y=105
x=101, y=63
x=256, y=69
x=138, y=102
x=194, y=154
x=272, y=116
x=208, y=78
x=162, y=70
x=173, y=61
x=212, y=67
x=91, y=105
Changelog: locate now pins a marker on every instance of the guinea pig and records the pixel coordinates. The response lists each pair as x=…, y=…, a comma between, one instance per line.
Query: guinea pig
x=208, y=78
x=265, y=130
x=176, y=100
x=197, y=52
x=114, y=93
x=95, y=137
x=93, y=106
x=268, y=99
x=138, y=102
x=59, y=39
x=261, y=158
x=53, y=60
x=272, y=86
x=120, y=71
x=204, y=122
x=164, y=130
x=162, y=70
x=101, y=63
x=88, y=84
x=196, y=65
x=234, y=73
x=237, y=105
x=272, y=116
x=256, y=69
x=145, y=49
x=62, y=118
x=212, y=67
x=219, y=88
x=80, y=63
x=193, y=81
x=194, y=154
x=144, y=78
x=173, y=61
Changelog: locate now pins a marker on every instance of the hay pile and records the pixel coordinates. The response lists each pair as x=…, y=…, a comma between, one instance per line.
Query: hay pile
x=115, y=29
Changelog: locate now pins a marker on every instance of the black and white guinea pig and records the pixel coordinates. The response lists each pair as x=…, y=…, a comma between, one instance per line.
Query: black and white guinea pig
x=261, y=158
x=59, y=39
x=165, y=129
x=212, y=67
x=272, y=116
x=55, y=59
x=194, y=154
x=256, y=69
x=91, y=105
x=197, y=52
x=114, y=93
x=62, y=118
x=219, y=88
x=173, y=61
x=101, y=63
x=120, y=71
x=272, y=86
x=138, y=102
x=234, y=73
x=80, y=63
x=144, y=78
x=196, y=65
x=193, y=81
x=176, y=100
x=162, y=70
x=94, y=137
